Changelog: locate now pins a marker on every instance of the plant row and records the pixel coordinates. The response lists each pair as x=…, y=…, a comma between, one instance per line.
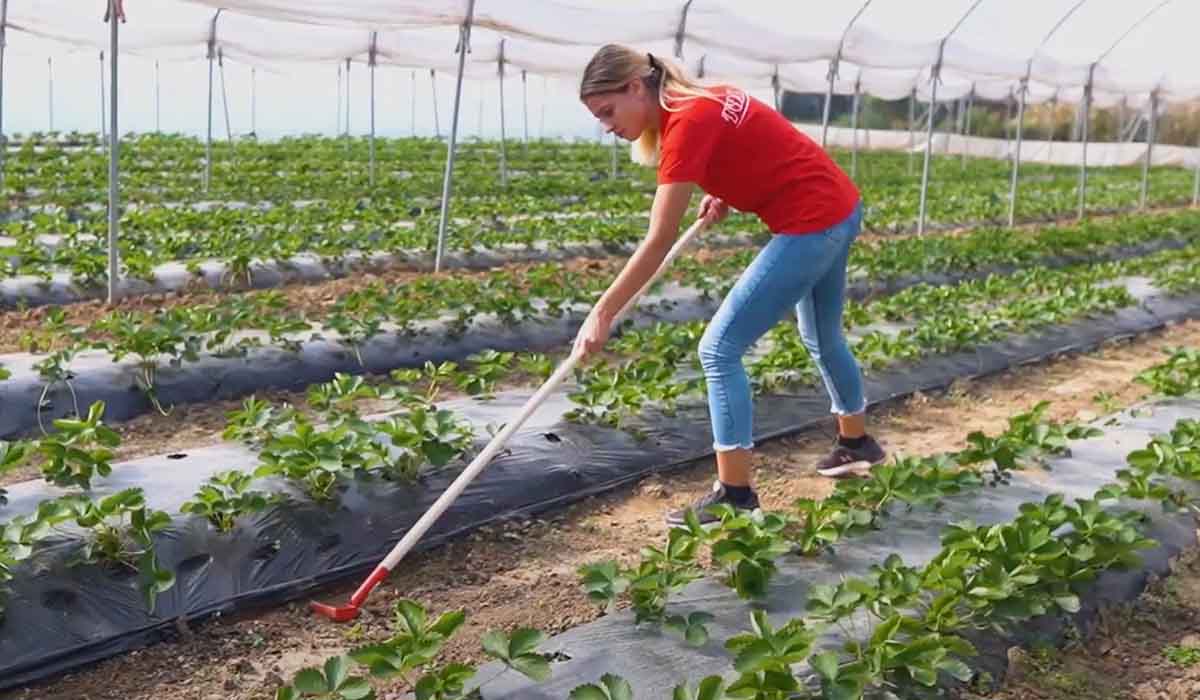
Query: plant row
x=171, y=337
x=905, y=626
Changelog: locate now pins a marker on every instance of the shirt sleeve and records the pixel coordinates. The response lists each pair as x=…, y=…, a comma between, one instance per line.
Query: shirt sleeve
x=688, y=145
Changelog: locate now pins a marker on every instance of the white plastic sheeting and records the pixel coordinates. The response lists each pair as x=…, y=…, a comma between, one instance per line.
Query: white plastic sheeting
x=988, y=45
x=1048, y=152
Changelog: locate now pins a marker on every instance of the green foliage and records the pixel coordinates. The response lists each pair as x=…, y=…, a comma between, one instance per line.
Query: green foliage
x=80, y=450
x=225, y=499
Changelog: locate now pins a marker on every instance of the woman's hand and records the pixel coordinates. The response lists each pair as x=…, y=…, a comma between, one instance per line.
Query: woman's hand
x=594, y=332
x=713, y=209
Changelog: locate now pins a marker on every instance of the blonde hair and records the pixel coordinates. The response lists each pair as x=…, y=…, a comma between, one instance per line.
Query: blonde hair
x=614, y=66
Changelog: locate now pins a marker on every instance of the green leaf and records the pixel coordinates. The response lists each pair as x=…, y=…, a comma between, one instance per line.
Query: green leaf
x=618, y=688
x=337, y=668
x=711, y=688
x=524, y=641
x=310, y=681
x=826, y=665
x=533, y=666
x=588, y=692
x=495, y=643
x=957, y=669
x=752, y=656
x=1069, y=603
x=696, y=635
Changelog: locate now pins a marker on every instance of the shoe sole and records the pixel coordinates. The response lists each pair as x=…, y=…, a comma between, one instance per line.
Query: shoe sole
x=859, y=468
x=706, y=526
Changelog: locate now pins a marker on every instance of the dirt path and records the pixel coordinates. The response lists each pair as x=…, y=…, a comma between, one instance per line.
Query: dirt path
x=524, y=574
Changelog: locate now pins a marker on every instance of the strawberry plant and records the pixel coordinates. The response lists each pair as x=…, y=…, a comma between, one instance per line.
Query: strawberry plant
x=79, y=450
x=120, y=531
x=764, y=658
x=487, y=368
x=12, y=455
x=342, y=390
x=1029, y=438
x=254, y=422
x=165, y=334
x=332, y=682
x=419, y=437
x=225, y=498
x=1178, y=376
x=610, y=687
x=659, y=574
x=313, y=457
x=418, y=641
x=748, y=544
x=54, y=370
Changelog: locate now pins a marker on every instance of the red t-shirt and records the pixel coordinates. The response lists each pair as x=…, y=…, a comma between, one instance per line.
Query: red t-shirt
x=749, y=155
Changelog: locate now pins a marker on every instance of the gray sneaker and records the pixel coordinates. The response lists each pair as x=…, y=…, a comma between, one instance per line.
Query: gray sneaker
x=844, y=461
x=717, y=495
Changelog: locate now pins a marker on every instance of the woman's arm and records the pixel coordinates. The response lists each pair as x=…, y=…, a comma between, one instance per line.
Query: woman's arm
x=670, y=203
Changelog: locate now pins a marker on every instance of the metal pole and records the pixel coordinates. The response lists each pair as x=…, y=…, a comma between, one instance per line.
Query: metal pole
x=933, y=81
x=3, y=43
x=347, y=98
x=777, y=89
x=208, y=133
x=463, y=43
x=525, y=111
x=412, y=117
x=371, y=145
x=50, y=90
x=967, y=127
x=503, y=142
x=103, y=107
x=1084, y=109
x=338, y=125
x=1196, y=178
x=854, y=132
x=224, y=97
x=1008, y=105
x=828, y=97
x=157, y=102
x=114, y=146
x=253, y=103
x=437, y=127
x=1053, y=127
x=1150, y=129
x=912, y=119
x=1012, y=188
x=542, y=116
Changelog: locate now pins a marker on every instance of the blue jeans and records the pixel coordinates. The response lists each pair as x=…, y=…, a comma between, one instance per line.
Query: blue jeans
x=807, y=272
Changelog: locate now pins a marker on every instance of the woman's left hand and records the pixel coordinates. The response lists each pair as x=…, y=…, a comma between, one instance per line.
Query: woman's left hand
x=594, y=333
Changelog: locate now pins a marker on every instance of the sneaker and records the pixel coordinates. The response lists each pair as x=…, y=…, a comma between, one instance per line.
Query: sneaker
x=707, y=519
x=848, y=460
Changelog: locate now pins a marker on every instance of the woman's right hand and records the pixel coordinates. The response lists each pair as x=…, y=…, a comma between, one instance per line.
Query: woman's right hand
x=713, y=209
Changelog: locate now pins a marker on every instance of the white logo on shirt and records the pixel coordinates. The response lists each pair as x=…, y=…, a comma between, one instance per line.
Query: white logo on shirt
x=735, y=106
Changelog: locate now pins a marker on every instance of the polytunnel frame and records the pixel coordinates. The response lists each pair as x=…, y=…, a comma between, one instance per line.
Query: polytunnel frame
x=114, y=8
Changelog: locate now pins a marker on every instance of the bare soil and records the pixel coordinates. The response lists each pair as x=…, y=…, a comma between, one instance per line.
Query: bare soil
x=523, y=574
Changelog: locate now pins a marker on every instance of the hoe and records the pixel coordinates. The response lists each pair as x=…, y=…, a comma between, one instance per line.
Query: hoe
x=418, y=530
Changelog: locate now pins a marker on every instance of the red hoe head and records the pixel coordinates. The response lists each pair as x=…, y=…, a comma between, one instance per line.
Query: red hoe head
x=345, y=613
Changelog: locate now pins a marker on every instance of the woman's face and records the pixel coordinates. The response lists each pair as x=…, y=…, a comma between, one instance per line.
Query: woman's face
x=626, y=112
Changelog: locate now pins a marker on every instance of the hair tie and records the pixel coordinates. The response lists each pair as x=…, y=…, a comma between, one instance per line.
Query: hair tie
x=650, y=56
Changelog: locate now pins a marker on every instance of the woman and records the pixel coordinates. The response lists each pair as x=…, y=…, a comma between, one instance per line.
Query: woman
x=744, y=155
